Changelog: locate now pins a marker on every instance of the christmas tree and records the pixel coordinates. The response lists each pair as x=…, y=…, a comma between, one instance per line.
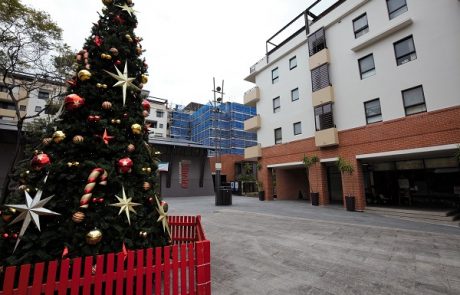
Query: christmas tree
x=89, y=187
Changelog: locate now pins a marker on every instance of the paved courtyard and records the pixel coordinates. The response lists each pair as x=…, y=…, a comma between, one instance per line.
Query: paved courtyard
x=290, y=247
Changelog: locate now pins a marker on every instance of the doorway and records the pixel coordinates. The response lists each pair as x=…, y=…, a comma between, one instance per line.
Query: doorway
x=334, y=182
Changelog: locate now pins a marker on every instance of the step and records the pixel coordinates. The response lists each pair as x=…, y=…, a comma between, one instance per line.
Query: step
x=427, y=212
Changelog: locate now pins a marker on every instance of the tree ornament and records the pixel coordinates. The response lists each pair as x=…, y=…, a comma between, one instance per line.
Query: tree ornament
x=94, y=118
x=138, y=50
x=106, y=105
x=78, y=139
x=114, y=51
x=146, y=186
x=165, y=205
x=30, y=212
x=84, y=75
x=129, y=38
x=144, y=78
x=98, y=41
x=58, y=136
x=70, y=164
x=100, y=85
x=107, y=2
x=127, y=8
x=97, y=173
x=46, y=141
x=72, y=82
x=40, y=161
x=118, y=62
x=78, y=217
x=123, y=80
x=125, y=204
x=119, y=20
x=73, y=101
x=125, y=165
x=145, y=113
x=130, y=148
x=115, y=121
x=136, y=128
x=5, y=235
x=146, y=105
x=106, y=56
x=163, y=217
x=147, y=169
x=140, y=85
x=143, y=234
x=93, y=237
x=105, y=137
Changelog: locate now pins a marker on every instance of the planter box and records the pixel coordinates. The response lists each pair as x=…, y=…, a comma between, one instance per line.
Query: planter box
x=183, y=268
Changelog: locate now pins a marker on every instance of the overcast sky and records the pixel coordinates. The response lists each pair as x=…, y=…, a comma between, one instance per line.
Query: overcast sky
x=187, y=42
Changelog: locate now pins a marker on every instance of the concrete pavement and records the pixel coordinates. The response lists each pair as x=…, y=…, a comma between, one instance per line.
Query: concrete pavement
x=291, y=247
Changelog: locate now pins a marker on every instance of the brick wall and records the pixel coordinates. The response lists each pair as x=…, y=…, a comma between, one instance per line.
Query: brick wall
x=421, y=130
x=228, y=165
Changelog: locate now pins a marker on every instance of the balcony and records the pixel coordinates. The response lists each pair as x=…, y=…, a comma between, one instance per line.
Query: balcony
x=322, y=96
x=319, y=58
x=252, y=96
x=4, y=96
x=326, y=137
x=252, y=124
x=253, y=152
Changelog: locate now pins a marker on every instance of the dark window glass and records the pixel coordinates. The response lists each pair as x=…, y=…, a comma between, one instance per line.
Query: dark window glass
x=405, y=50
x=366, y=66
x=295, y=94
x=275, y=76
x=316, y=42
x=38, y=108
x=160, y=114
x=360, y=25
x=396, y=7
x=43, y=95
x=297, y=128
x=373, y=111
x=278, y=136
x=292, y=63
x=414, y=100
x=320, y=77
x=323, y=117
x=276, y=105
x=7, y=105
x=3, y=88
x=22, y=108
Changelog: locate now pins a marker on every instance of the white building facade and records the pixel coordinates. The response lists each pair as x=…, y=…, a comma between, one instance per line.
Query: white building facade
x=158, y=117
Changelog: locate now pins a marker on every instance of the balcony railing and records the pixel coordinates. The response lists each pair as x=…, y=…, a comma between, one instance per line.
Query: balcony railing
x=327, y=137
x=253, y=152
x=252, y=96
x=252, y=124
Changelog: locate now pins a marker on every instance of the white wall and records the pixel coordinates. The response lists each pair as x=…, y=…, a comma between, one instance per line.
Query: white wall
x=159, y=131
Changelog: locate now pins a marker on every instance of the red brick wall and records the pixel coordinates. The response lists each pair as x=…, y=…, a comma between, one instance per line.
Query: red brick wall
x=420, y=130
x=290, y=182
x=228, y=165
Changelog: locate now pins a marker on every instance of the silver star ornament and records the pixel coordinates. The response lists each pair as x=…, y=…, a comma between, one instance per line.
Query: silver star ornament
x=123, y=80
x=30, y=212
x=125, y=205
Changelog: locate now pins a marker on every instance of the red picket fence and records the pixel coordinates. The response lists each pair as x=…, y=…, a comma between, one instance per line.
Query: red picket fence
x=183, y=268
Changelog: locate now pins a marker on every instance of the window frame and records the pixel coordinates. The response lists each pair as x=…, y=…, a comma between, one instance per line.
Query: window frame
x=406, y=107
x=375, y=115
x=162, y=113
x=276, y=109
x=315, y=48
x=292, y=92
x=332, y=125
x=294, y=58
x=39, y=96
x=280, y=139
x=22, y=108
x=371, y=71
x=401, y=59
x=275, y=79
x=38, y=109
x=294, y=127
x=363, y=30
x=316, y=73
x=396, y=12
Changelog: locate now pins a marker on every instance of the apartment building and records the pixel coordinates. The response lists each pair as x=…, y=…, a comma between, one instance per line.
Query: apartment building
x=158, y=117
x=375, y=82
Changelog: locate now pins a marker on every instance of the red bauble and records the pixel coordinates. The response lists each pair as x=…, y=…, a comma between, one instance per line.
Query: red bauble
x=94, y=118
x=164, y=205
x=125, y=165
x=146, y=105
x=73, y=101
x=40, y=161
x=98, y=41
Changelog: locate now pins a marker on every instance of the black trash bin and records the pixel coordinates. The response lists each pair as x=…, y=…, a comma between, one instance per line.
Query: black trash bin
x=224, y=196
x=350, y=203
x=314, y=199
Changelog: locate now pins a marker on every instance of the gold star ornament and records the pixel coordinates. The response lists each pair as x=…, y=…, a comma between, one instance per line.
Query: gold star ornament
x=123, y=80
x=125, y=205
x=127, y=8
x=163, y=218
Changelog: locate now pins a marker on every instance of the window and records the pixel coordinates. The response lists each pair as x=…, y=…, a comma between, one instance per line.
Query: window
x=7, y=105
x=360, y=25
x=278, y=136
x=405, y=50
x=3, y=88
x=22, y=108
x=316, y=42
x=38, y=108
x=153, y=124
x=7, y=118
x=295, y=94
x=396, y=7
x=323, y=117
x=43, y=95
x=414, y=100
x=373, y=111
x=366, y=66
x=160, y=114
x=292, y=63
x=297, y=128
x=320, y=78
x=276, y=105
x=161, y=125
x=275, y=76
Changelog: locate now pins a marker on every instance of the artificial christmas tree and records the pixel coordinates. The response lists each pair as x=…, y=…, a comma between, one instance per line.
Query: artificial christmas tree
x=94, y=168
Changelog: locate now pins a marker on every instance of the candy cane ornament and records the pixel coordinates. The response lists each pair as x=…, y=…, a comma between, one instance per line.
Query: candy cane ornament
x=97, y=173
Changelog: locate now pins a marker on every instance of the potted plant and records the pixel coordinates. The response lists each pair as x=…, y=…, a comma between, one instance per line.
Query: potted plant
x=308, y=162
x=345, y=167
x=260, y=189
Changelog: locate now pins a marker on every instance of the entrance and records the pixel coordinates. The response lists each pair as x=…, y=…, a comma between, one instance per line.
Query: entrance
x=334, y=181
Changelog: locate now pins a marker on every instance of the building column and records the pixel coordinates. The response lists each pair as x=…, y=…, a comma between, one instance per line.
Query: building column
x=353, y=184
x=318, y=179
x=266, y=177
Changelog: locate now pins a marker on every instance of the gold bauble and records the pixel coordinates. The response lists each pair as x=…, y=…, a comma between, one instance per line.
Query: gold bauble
x=107, y=2
x=84, y=75
x=143, y=234
x=78, y=139
x=106, y=105
x=78, y=217
x=136, y=128
x=114, y=51
x=138, y=50
x=93, y=237
x=46, y=141
x=144, y=78
x=130, y=148
x=58, y=136
x=146, y=186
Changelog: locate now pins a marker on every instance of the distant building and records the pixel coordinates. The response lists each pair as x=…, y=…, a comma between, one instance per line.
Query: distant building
x=158, y=117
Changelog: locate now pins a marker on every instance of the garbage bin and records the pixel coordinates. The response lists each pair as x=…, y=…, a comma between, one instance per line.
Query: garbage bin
x=224, y=196
x=314, y=199
x=350, y=203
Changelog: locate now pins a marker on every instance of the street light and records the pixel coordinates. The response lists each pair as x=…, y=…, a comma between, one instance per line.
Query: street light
x=219, y=90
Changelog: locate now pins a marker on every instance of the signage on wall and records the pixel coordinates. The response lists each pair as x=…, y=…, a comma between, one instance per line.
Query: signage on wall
x=163, y=167
x=184, y=171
